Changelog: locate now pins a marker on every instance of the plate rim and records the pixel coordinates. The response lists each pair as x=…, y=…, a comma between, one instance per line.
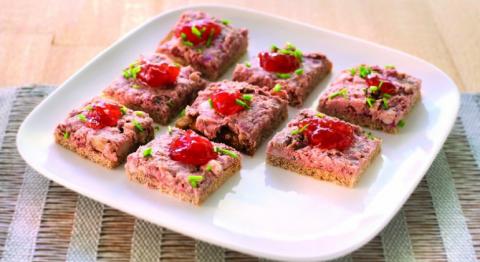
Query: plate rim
x=232, y=245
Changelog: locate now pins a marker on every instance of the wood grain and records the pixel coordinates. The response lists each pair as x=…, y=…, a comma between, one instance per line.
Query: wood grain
x=47, y=41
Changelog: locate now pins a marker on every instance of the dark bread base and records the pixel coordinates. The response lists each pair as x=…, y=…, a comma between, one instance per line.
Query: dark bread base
x=153, y=183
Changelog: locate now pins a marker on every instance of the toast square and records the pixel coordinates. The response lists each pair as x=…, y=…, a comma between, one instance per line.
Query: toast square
x=158, y=171
x=162, y=103
x=110, y=145
x=244, y=130
x=351, y=98
x=213, y=58
x=289, y=150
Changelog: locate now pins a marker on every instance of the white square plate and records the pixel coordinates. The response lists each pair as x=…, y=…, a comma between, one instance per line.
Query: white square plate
x=263, y=211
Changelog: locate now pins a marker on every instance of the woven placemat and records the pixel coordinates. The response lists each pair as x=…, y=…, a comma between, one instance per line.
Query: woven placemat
x=43, y=221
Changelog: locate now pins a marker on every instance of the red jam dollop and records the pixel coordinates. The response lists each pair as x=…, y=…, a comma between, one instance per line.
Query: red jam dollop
x=102, y=115
x=327, y=133
x=199, y=32
x=278, y=63
x=158, y=75
x=227, y=103
x=385, y=86
x=192, y=149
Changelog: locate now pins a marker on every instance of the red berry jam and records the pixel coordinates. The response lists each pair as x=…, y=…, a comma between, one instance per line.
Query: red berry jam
x=278, y=63
x=199, y=32
x=192, y=149
x=386, y=86
x=158, y=75
x=327, y=133
x=102, y=115
x=226, y=103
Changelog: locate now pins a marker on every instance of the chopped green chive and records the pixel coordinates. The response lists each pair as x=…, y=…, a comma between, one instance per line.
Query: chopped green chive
x=147, y=152
x=139, y=113
x=283, y=76
x=66, y=135
x=137, y=125
x=401, y=124
x=364, y=71
x=342, y=92
x=187, y=43
x=389, y=66
x=182, y=113
x=210, y=38
x=290, y=46
x=208, y=168
x=247, y=97
x=385, y=103
x=177, y=64
x=132, y=71
x=210, y=102
x=370, y=136
x=321, y=115
x=370, y=101
x=241, y=103
x=124, y=110
x=224, y=151
x=82, y=117
x=169, y=130
x=380, y=84
x=277, y=88
x=136, y=86
x=89, y=107
x=299, y=71
x=387, y=96
x=273, y=48
x=298, y=54
x=353, y=71
x=373, y=89
x=225, y=21
x=194, y=180
x=183, y=36
x=299, y=130
x=247, y=64
x=196, y=32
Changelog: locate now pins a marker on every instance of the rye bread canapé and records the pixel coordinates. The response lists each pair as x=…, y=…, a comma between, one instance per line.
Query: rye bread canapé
x=372, y=96
x=208, y=44
x=323, y=147
x=289, y=69
x=157, y=85
x=235, y=113
x=183, y=164
x=104, y=131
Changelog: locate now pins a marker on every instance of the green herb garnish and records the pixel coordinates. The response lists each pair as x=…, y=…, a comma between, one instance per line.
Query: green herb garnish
x=132, y=71
x=247, y=64
x=299, y=71
x=208, y=168
x=124, y=110
x=241, y=103
x=66, y=135
x=187, y=43
x=299, y=130
x=370, y=136
x=342, y=92
x=196, y=32
x=274, y=48
x=183, y=36
x=247, y=97
x=136, y=86
x=182, y=113
x=385, y=102
x=210, y=102
x=321, y=115
x=139, y=113
x=210, y=38
x=401, y=124
x=147, y=152
x=89, y=107
x=364, y=71
x=373, y=89
x=224, y=151
x=194, y=180
x=283, y=76
x=225, y=21
x=370, y=101
x=353, y=71
x=137, y=125
x=82, y=117
x=277, y=88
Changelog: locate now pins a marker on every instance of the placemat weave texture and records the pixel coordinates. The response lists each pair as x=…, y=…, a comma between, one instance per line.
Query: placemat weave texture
x=43, y=221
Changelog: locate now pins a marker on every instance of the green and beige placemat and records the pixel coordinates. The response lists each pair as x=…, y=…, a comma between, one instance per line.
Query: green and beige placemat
x=42, y=221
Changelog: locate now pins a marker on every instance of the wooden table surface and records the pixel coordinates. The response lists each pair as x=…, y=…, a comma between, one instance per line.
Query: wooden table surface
x=47, y=41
